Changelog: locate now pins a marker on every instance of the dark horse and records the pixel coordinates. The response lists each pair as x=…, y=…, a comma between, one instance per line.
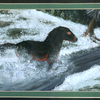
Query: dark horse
x=46, y=50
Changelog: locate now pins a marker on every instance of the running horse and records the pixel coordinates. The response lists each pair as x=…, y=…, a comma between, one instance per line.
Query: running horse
x=46, y=50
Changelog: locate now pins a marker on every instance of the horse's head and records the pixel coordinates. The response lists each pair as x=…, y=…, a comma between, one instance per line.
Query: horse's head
x=67, y=34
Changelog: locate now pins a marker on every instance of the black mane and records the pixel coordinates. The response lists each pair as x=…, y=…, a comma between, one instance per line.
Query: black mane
x=53, y=34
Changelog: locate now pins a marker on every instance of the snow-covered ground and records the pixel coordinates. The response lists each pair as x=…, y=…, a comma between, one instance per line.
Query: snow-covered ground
x=37, y=25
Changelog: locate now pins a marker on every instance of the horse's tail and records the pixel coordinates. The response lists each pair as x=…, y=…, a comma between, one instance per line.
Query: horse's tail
x=7, y=46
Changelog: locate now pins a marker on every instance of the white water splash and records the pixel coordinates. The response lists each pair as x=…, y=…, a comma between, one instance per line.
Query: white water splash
x=13, y=71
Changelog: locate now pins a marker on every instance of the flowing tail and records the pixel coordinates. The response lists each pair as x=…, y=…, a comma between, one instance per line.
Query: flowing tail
x=7, y=46
x=81, y=61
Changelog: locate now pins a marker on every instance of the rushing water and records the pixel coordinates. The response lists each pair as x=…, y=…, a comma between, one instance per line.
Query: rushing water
x=20, y=25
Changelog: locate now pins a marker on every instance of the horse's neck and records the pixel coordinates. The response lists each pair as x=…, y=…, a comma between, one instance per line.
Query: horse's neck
x=54, y=37
x=54, y=40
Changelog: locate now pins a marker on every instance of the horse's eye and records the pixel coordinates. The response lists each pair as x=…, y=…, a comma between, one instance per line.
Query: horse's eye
x=69, y=33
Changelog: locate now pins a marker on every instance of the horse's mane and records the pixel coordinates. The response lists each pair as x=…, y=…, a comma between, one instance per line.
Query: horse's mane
x=52, y=35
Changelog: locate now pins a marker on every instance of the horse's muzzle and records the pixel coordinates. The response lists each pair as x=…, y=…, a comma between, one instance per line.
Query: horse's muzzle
x=75, y=39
